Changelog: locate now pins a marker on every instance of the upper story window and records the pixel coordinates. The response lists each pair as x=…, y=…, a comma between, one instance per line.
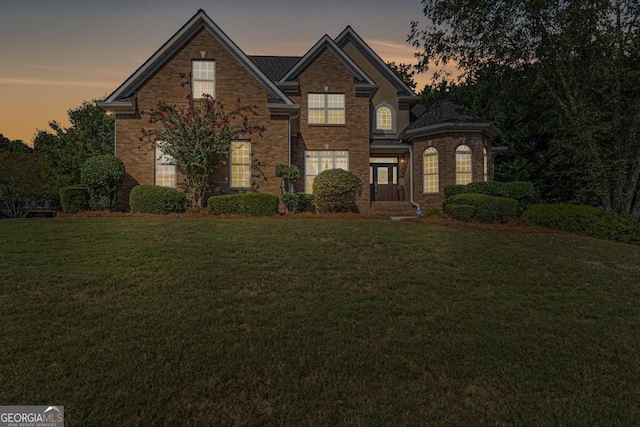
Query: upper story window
x=165, y=174
x=463, y=165
x=240, y=164
x=385, y=118
x=326, y=109
x=203, y=78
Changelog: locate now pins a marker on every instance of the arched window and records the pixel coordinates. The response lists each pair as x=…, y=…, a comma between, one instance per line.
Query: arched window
x=463, y=164
x=430, y=170
x=385, y=120
x=485, y=160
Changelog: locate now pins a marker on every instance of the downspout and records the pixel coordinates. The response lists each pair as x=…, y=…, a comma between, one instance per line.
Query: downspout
x=413, y=203
x=291, y=118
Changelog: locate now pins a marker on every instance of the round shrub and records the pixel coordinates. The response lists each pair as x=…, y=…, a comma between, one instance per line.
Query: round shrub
x=460, y=212
x=256, y=204
x=336, y=190
x=157, y=200
x=74, y=198
x=103, y=175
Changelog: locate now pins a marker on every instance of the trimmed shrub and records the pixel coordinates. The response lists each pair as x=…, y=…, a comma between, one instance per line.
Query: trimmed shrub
x=523, y=192
x=584, y=219
x=431, y=212
x=298, y=202
x=74, y=198
x=256, y=204
x=488, y=208
x=103, y=175
x=460, y=212
x=336, y=190
x=155, y=199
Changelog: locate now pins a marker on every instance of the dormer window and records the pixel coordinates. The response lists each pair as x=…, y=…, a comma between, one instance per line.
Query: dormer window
x=203, y=78
x=384, y=118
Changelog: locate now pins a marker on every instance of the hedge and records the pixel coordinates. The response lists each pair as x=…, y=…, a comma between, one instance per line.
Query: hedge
x=488, y=208
x=298, y=202
x=523, y=192
x=74, y=198
x=584, y=219
x=256, y=204
x=461, y=212
x=155, y=199
x=336, y=190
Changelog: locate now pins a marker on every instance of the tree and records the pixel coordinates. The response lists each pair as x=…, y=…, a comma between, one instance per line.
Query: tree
x=91, y=134
x=197, y=137
x=16, y=145
x=579, y=57
x=23, y=181
x=405, y=72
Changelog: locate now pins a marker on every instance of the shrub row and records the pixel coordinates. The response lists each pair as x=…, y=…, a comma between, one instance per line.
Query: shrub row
x=257, y=204
x=74, y=198
x=155, y=199
x=336, y=190
x=523, y=192
x=298, y=202
x=584, y=219
x=485, y=208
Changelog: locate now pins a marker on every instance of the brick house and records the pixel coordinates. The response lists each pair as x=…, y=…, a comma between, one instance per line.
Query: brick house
x=338, y=106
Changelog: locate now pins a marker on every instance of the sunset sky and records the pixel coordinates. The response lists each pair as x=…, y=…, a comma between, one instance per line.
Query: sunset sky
x=57, y=53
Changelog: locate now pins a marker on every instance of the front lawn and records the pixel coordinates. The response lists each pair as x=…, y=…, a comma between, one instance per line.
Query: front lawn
x=207, y=321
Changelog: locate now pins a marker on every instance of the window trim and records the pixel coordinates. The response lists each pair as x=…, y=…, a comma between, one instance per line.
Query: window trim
x=193, y=78
x=430, y=152
x=319, y=157
x=326, y=109
x=158, y=155
x=376, y=129
x=244, y=142
x=468, y=153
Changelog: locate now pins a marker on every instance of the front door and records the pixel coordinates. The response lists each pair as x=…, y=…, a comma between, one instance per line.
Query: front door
x=384, y=180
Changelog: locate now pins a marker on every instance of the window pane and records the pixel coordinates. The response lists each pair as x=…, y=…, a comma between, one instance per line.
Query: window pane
x=430, y=171
x=383, y=175
x=383, y=118
x=165, y=175
x=240, y=164
x=335, y=100
x=336, y=117
x=316, y=100
x=316, y=116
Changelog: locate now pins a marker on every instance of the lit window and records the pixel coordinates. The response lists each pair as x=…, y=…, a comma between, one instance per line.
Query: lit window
x=165, y=175
x=326, y=108
x=384, y=118
x=240, y=164
x=319, y=161
x=463, y=164
x=203, y=78
x=485, y=158
x=430, y=171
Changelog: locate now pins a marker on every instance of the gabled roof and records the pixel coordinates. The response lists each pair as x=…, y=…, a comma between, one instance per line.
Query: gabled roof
x=274, y=67
x=348, y=34
x=447, y=113
x=198, y=22
x=325, y=42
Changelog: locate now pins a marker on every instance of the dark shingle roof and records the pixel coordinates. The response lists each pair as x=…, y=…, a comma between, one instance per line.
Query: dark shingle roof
x=274, y=67
x=446, y=109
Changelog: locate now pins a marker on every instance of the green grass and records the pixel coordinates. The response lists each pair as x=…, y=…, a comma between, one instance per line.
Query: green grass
x=205, y=321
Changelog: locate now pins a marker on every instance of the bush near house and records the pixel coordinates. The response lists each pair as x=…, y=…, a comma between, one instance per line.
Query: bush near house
x=585, y=220
x=255, y=204
x=487, y=208
x=155, y=199
x=103, y=175
x=74, y=198
x=298, y=202
x=336, y=190
x=523, y=192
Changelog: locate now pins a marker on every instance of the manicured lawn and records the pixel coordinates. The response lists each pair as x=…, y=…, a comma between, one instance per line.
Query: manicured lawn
x=205, y=321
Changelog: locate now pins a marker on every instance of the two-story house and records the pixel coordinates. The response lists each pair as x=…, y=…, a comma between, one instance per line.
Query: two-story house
x=338, y=106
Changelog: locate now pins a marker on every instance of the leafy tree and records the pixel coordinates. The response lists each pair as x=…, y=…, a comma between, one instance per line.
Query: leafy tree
x=24, y=179
x=91, y=134
x=12, y=146
x=405, y=72
x=579, y=59
x=197, y=137
x=289, y=174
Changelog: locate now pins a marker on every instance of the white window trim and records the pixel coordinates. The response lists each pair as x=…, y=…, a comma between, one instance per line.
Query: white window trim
x=232, y=164
x=426, y=155
x=193, y=78
x=470, y=154
x=376, y=129
x=159, y=161
x=326, y=109
x=333, y=157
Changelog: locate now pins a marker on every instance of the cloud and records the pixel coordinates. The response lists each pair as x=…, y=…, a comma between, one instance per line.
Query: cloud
x=11, y=81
